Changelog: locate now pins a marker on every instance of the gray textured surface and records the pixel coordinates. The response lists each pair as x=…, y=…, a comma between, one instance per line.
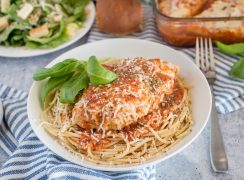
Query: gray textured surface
x=192, y=163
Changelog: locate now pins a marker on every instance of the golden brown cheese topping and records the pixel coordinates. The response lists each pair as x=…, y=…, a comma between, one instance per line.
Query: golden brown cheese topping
x=180, y=8
x=224, y=8
x=202, y=8
x=139, y=89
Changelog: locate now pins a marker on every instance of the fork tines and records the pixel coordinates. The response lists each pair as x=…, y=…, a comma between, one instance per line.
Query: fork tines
x=204, y=54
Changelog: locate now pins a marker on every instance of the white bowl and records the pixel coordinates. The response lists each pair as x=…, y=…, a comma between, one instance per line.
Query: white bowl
x=130, y=48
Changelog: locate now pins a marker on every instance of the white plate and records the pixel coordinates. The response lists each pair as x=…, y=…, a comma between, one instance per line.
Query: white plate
x=18, y=52
x=129, y=48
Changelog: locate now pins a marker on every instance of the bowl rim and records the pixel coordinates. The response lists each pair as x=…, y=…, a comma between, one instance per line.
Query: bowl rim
x=132, y=166
x=192, y=19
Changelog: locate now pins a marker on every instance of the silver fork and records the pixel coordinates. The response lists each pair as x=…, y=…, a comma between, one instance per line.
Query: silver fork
x=206, y=62
x=1, y=111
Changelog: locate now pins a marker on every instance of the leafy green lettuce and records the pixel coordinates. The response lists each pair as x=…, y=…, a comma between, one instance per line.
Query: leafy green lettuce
x=57, y=38
x=13, y=35
x=75, y=8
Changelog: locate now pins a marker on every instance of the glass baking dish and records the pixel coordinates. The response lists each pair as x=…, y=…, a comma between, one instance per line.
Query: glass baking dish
x=183, y=31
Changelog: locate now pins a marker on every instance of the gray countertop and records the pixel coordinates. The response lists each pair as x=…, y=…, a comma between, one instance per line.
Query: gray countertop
x=192, y=163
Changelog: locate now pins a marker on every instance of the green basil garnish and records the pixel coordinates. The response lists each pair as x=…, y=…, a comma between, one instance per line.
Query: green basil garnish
x=58, y=70
x=98, y=74
x=232, y=49
x=71, y=76
x=71, y=88
x=237, y=70
x=52, y=84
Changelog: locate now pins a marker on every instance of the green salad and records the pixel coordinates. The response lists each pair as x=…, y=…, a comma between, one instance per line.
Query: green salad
x=40, y=24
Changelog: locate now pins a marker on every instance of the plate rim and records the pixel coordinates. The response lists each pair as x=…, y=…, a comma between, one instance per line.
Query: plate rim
x=39, y=52
x=137, y=166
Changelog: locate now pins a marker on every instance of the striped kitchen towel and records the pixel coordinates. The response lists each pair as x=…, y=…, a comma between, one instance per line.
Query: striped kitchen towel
x=229, y=93
x=28, y=158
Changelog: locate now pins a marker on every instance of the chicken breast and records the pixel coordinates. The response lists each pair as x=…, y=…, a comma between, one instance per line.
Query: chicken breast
x=139, y=89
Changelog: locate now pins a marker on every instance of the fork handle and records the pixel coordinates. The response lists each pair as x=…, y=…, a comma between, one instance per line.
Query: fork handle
x=218, y=156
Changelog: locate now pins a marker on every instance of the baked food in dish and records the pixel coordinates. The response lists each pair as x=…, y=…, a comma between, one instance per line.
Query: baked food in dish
x=119, y=17
x=180, y=8
x=223, y=8
x=137, y=117
x=202, y=8
x=219, y=19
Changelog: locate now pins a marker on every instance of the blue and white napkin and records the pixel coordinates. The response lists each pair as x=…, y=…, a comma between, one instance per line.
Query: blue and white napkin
x=28, y=158
x=229, y=93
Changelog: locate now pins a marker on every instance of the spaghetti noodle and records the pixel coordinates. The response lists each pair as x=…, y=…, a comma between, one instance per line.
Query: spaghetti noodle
x=146, y=134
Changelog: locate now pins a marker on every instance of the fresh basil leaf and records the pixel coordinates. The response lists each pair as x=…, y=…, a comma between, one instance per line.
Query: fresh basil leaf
x=237, y=70
x=81, y=67
x=98, y=74
x=51, y=84
x=71, y=88
x=60, y=69
x=233, y=49
x=84, y=72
